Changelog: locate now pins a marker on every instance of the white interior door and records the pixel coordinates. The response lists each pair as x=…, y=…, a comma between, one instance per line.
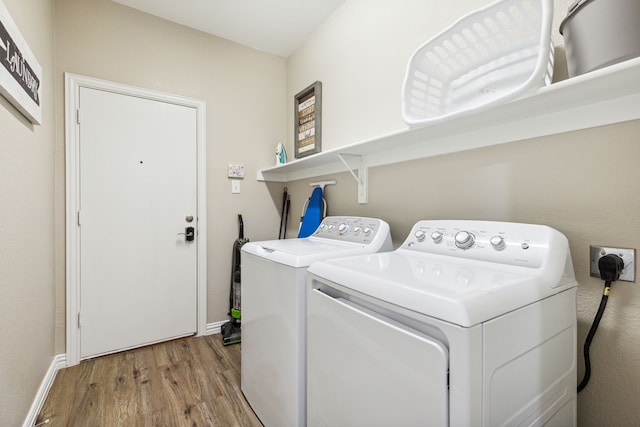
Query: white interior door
x=137, y=169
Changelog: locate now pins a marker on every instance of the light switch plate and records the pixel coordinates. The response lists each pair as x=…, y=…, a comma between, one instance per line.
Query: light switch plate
x=235, y=187
x=628, y=257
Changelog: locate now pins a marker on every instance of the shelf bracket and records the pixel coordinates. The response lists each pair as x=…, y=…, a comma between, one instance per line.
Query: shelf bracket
x=362, y=178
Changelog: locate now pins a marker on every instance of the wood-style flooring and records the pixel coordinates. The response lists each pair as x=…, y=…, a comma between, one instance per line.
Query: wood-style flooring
x=193, y=381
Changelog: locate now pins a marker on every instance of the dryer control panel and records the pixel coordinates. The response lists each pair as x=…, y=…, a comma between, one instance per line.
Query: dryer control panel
x=354, y=229
x=518, y=244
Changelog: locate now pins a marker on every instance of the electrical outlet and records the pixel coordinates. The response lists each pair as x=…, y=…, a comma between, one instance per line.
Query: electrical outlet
x=628, y=256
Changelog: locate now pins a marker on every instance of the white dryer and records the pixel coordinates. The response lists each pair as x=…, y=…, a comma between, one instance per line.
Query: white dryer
x=273, y=354
x=468, y=323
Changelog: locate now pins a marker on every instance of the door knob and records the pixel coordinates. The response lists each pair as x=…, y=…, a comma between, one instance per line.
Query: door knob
x=189, y=234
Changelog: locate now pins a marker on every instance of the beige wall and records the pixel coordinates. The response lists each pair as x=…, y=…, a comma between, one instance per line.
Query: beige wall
x=26, y=228
x=359, y=55
x=582, y=183
x=244, y=90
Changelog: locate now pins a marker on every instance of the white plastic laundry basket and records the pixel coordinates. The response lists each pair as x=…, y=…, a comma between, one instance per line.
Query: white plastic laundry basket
x=490, y=56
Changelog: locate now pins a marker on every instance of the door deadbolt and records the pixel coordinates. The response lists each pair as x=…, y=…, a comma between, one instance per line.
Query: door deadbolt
x=189, y=234
x=189, y=218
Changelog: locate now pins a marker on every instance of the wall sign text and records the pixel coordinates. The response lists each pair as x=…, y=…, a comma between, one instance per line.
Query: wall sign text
x=20, y=72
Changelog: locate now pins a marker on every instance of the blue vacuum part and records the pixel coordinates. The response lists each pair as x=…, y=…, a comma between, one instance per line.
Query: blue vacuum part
x=313, y=214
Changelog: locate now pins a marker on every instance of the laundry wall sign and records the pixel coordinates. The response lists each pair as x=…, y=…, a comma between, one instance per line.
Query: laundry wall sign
x=20, y=72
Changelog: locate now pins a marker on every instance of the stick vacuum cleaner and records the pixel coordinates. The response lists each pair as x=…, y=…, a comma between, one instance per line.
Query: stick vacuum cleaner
x=231, y=329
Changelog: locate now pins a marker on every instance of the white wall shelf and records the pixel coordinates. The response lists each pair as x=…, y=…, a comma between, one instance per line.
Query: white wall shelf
x=602, y=97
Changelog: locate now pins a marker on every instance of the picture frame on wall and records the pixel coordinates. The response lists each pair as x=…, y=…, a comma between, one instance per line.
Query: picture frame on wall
x=307, y=109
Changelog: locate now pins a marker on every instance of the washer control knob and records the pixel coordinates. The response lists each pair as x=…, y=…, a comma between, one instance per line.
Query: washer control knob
x=343, y=228
x=436, y=236
x=498, y=243
x=464, y=239
x=357, y=230
x=420, y=234
x=331, y=227
x=367, y=231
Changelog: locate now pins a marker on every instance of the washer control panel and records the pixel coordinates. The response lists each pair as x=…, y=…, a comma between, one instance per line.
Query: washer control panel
x=500, y=242
x=353, y=229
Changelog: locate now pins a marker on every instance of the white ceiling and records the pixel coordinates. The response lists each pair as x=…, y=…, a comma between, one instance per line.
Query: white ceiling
x=273, y=26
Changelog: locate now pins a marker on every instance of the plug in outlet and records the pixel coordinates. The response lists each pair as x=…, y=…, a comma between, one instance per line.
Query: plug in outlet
x=628, y=257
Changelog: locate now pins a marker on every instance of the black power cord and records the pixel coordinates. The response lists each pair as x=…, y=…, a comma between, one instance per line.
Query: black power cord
x=610, y=267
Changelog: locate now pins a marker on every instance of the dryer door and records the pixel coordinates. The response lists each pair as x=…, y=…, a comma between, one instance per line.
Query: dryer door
x=368, y=370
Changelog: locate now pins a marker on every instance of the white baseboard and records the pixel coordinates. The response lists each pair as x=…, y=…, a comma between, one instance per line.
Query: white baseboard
x=214, y=328
x=57, y=363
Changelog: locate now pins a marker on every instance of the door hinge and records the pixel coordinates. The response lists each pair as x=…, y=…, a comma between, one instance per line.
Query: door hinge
x=78, y=320
x=78, y=218
x=78, y=116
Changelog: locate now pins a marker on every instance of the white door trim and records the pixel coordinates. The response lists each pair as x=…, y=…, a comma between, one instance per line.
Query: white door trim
x=73, y=83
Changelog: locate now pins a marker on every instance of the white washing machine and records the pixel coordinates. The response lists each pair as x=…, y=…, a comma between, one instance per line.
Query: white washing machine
x=273, y=355
x=468, y=323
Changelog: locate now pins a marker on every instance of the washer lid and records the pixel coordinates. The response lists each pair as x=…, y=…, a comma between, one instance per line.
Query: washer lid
x=460, y=291
x=337, y=236
x=302, y=252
